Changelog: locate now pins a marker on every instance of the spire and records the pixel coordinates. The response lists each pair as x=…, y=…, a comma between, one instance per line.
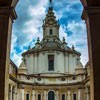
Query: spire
x=50, y=17
x=50, y=24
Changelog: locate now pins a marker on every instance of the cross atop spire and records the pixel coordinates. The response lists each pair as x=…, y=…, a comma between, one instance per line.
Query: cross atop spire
x=50, y=3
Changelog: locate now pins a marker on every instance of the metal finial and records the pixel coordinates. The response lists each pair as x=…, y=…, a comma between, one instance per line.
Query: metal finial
x=38, y=39
x=29, y=47
x=63, y=39
x=73, y=48
x=50, y=1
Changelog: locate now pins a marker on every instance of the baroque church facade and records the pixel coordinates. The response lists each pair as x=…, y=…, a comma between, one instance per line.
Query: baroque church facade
x=51, y=70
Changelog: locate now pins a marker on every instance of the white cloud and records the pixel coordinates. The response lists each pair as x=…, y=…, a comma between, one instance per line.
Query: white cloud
x=13, y=42
x=78, y=38
x=62, y=33
x=17, y=59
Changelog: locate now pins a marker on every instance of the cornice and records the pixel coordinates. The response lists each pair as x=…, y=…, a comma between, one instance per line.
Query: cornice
x=47, y=49
x=8, y=3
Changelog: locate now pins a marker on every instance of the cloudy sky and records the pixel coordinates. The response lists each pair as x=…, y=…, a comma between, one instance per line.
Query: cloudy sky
x=27, y=27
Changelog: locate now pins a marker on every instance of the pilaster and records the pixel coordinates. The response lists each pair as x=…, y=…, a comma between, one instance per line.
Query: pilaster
x=57, y=95
x=36, y=67
x=69, y=95
x=7, y=15
x=22, y=92
x=45, y=96
x=66, y=63
x=11, y=93
x=33, y=95
x=79, y=94
x=91, y=15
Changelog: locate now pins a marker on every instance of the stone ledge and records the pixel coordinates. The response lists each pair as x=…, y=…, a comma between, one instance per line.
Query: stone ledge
x=8, y=11
x=8, y=3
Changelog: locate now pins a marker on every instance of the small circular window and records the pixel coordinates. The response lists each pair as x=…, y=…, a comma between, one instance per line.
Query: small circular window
x=28, y=77
x=62, y=79
x=74, y=77
x=39, y=79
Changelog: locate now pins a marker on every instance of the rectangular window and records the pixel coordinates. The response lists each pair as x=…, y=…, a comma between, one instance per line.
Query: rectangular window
x=39, y=96
x=74, y=96
x=50, y=31
x=50, y=62
x=27, y=96
x=63, y=96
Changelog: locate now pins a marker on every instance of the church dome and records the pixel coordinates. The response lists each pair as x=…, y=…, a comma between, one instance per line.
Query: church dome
x=51, y=54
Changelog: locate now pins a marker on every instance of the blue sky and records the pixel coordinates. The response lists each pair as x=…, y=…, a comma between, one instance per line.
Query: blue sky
x=28, y=26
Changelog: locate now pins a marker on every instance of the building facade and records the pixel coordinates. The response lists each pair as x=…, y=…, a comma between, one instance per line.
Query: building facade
x=51, y=70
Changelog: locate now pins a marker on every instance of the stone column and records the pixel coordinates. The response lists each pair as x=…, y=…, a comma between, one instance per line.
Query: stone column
x=57, y=96
x=22, y=94
x=33, y=95
x=69, y=95
x=7, y=15
x=45, y=97
x=87, y=94
x=91, y=15
x=79, y=94
x=46, y=61
x=11, y=93
x=43, y=60
x=55, y=62
x=14, y=95
x=36, y=94
x=66, y=62
x=36, y=67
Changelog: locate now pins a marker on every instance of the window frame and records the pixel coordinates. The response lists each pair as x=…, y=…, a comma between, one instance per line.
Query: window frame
x=50, y=62
x=64, y=95
x=50, y=32
x=39, y=94
x=27, y=94
x=50, y=95
x=75, y=97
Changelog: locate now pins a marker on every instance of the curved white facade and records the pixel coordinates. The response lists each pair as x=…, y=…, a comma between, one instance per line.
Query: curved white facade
x=63, y=62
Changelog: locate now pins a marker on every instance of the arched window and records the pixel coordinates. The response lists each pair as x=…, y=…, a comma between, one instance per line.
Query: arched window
x=74, y=96
x=50, y=32
x=63, y=96
x=27, y=96
x=51, y=95
x=39, y=96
